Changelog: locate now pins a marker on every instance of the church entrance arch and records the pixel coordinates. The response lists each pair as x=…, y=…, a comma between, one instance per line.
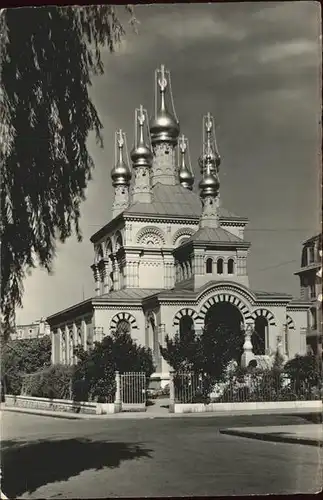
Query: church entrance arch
x=225, y=320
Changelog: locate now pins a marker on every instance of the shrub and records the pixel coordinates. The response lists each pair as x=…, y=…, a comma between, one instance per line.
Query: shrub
x=305, y=373
x=20, y=357
x=94, y=376
x=53, y=382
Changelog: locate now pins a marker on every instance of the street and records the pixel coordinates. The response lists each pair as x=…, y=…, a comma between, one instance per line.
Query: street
x=45, y=457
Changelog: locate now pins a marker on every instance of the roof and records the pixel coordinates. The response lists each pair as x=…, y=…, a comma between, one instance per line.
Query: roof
x=177, y=201
x=312, y=239
x=129, y=294
x=218, y=234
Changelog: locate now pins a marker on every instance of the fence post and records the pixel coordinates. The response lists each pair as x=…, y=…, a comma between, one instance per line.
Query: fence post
x=117, y=399
x=171, y=392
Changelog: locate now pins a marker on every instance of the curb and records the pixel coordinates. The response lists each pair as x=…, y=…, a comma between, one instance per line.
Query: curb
x=46, y=414
x=272, y=437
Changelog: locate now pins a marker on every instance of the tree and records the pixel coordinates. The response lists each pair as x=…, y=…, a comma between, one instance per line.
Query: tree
x=94, y=376
x=207, y=355
x=305, y=372
x=21, y=357
x=48, y=57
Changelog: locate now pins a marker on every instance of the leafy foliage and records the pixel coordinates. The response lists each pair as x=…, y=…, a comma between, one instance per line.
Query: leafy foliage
x=208, y=354
x=94, y=377
x=54, y=382
x=48, y=57
x=305, y=372
x=20, y=357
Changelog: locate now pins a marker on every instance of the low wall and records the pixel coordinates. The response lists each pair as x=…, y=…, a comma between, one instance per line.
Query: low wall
x=133, y=407
x=64, y=405
x=261, y=407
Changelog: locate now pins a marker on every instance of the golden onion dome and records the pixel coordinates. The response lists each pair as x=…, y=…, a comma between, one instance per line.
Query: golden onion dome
x=209, y=184
x=186, y=178
x=120, y=174
x=163, y=126
x=141, y=154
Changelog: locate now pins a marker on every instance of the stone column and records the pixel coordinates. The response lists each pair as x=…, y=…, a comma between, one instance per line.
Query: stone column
x=84, y=330
x=303, y=341
x=171, y=392
x=106, y=272
x=54, y=337
x=247, y=355
x=117, y=398
x=168, y=271
x=96, y=275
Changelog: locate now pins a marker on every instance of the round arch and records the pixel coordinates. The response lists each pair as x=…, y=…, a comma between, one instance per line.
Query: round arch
x=185, y=312
x=124, y=317
x=290, y=323
x=265, y=314
x=118, y=241
x=180, y=233
x=226, y=297
x=98, y=253
x=150, y=232
x=108, y=248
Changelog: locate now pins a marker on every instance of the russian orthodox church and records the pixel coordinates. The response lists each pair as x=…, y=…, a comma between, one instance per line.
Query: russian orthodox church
x=171, y=259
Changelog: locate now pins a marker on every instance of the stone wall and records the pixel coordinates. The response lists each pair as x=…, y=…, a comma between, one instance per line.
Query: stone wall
x=59, y=405
x=253, y=408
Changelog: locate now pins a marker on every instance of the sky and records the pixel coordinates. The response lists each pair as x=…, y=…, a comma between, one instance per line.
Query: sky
x=257, y=68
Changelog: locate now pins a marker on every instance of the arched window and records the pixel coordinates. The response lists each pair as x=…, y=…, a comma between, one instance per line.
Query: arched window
x=259, y=338
x=219, y=266
x=123, y=326
x=209, y=266
x=186, y=325
x=230, y=266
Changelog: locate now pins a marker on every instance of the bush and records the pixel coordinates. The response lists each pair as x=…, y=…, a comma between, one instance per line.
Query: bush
x=20, y=357
x=94, y=376
x=53, y=382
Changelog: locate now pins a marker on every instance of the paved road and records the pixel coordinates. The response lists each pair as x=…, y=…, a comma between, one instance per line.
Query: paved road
x=44, y=457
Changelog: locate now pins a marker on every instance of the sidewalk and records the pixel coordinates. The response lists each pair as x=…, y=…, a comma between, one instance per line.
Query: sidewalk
x=311, y=434
x=151, y=413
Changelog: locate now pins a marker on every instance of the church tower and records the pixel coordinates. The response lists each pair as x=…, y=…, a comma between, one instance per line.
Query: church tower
x=209, y=184
x=164, y=131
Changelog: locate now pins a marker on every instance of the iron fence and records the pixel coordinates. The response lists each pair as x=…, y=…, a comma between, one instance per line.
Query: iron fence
x=195, y=388
x=133, y=387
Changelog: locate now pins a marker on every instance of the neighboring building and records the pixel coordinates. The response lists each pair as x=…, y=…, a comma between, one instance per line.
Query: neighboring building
x=34, y=330
x=171, y=259
x=311, y=288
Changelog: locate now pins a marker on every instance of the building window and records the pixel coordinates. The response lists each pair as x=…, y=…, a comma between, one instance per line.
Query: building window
x=312, y=291
x=123, y=326
x=313, y=318
x=209, y=266
x=230, y=266
x=311, y=254
x=219, y=266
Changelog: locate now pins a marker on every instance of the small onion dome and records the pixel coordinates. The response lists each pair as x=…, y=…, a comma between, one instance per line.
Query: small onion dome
x=120, y=174
x=141, y=155
x=185, y=177
x=209, y=184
